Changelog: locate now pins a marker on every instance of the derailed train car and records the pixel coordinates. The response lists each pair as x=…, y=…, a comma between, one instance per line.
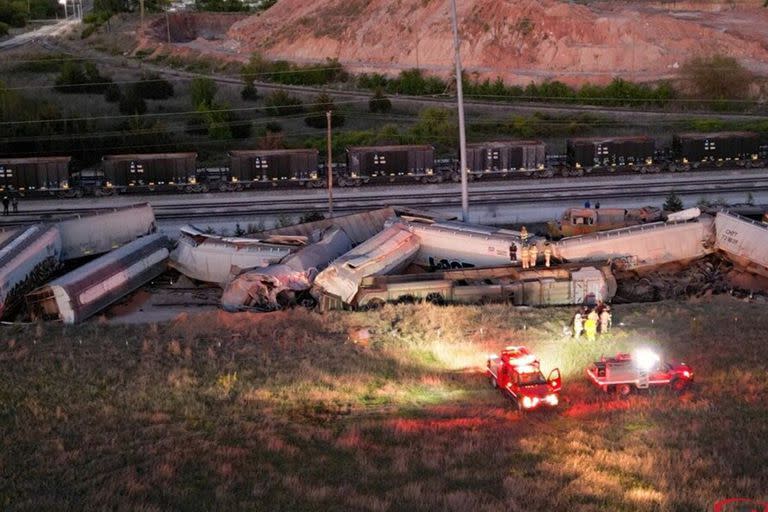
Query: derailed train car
x=535, y=287
x=504, y=157
x=101, y=231
x=609, y=153
x=274, y=166
x=449, y=244
x=42, y=174
x=390, y=162
x=26, y=260
x=84, y=292
x=152, y=171
x=694, y=149
x=389, y=251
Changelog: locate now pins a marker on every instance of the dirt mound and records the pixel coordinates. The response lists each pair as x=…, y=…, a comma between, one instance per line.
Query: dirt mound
x=518, y=40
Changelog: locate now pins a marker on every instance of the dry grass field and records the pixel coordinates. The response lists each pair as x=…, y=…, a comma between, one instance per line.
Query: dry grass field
x=283, y=412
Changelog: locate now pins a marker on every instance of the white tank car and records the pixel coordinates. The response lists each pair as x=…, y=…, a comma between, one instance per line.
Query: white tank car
x=387, y=252
x=641, y=246
x=87, y=290
x=104, y=230
x=743, y=240
x=451, y=244
x=214, y=259
x=26, y=260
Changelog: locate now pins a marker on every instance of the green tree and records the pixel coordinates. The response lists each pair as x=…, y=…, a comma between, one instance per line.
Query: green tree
x=317, y=117
x=379, y=102
x=202, y=91
x=280, y=103
x=153, y=87
x=717, y=78
x=13, y=13
x=249, y=93
x=436, y=126
x=673, y=203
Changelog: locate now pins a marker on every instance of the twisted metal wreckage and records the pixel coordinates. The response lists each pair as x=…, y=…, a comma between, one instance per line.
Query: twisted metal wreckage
x=349, y=261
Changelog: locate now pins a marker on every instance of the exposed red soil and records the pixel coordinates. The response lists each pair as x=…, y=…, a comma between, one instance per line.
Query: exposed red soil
x=521, y=41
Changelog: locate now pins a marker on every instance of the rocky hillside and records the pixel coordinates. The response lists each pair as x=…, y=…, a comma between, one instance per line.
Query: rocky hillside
x=519, y=40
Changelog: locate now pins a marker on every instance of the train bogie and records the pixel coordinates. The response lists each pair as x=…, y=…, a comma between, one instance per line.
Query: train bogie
x=34, y=174
x=391, y=162
x=524, y=156
x=150, y=171
x=693, y=149
x=610, y=153
x=274, y=165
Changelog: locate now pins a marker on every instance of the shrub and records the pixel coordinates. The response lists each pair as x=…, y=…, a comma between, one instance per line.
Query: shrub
x=132, y=103
x=280, y=103
x=3, y=29
x=13, y=14
x=673, y=203
x=717, y=78
x=77, y=78
x=88, y=31
x=112, y=93
x=153, y=87
x=317, y=113
x=379, y=103
x=249, y=93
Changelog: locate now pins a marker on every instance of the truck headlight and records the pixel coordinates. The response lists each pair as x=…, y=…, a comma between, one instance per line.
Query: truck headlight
x=551, y=399
x=529, y=402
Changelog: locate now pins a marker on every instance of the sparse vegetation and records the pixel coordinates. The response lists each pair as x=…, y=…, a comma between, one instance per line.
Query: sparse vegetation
x=284, y=72
x=131, y=103
x=379, y=103
x=281, y=103
x=81, y=78
x=284, y=411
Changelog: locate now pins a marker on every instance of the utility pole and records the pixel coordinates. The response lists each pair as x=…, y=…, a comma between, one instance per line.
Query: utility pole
x=462, y=133
x=329, y=167
x=167, y=25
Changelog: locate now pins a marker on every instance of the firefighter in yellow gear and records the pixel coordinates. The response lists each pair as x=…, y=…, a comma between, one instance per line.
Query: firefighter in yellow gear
x=533, y=253
x=524, y=256
x=547, y=255
x=524, y=234
x=590, y=327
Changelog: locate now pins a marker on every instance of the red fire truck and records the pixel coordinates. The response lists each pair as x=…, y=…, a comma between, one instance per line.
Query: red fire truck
x=641, y=370
x=516, y=371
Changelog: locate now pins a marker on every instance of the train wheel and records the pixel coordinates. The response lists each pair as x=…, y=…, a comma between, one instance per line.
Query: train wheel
x=203, y=188
x=239, y=187
x=455, y=177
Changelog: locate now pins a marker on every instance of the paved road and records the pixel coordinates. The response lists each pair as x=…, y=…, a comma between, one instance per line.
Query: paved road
x=46, y=31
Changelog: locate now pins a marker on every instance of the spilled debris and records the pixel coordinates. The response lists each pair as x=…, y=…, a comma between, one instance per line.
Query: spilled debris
x=277, y=284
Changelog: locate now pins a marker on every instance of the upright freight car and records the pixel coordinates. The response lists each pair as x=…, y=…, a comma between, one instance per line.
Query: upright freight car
x=48, y=173
x=389, y=162
x=273, y=166
x=158, y=171
x=694, y=149
x=610, y=153
x=506, y=157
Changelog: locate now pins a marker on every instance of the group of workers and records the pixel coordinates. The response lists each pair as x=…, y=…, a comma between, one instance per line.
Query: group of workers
x=529, y=253
x=591, y=321
x=10, y=201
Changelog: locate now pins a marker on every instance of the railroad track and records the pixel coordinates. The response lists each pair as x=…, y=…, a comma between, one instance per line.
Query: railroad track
x=438, y=196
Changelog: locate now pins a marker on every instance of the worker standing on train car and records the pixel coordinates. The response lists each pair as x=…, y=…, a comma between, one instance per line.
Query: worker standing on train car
x=524, y=234
x=547, y=254
x=532, y=255
x=524, y=256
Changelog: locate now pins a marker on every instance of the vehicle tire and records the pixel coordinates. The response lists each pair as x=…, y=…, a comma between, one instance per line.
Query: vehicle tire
x=678, y=385
x=435, y=298
x=623, y=390
x=374, y=304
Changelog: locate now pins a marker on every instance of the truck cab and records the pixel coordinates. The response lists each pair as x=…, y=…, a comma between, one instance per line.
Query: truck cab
x=517, y=373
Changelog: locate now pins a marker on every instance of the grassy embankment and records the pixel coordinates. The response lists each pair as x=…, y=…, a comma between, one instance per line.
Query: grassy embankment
x=282, y=412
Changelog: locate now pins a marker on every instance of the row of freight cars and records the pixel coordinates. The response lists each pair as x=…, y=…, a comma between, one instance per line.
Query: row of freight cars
x=505, y=159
